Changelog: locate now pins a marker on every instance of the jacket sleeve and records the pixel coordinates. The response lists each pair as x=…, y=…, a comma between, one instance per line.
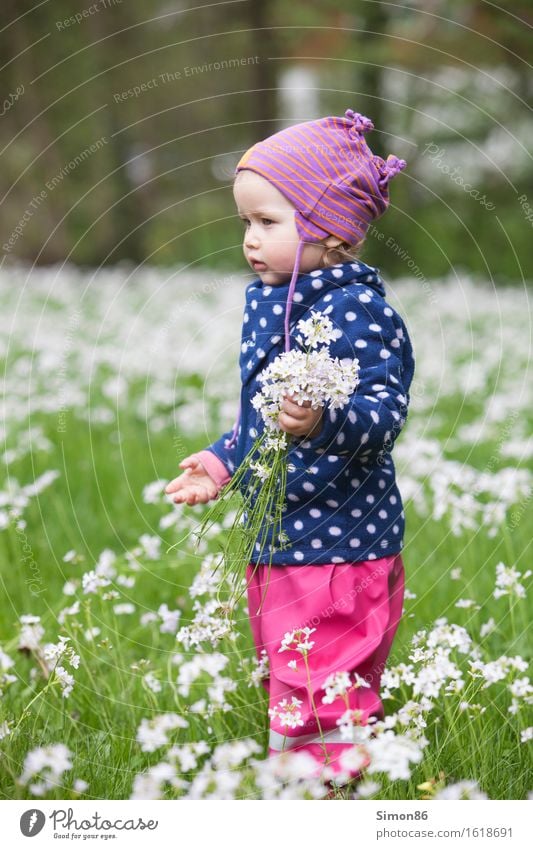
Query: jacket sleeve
x=214, y=467
x=369, y=424
x=226, y=455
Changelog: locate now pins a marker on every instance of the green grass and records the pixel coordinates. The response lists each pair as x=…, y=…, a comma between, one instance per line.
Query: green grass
x=95, y=504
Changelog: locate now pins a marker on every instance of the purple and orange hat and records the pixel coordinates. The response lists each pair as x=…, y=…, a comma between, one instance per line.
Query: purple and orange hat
x=327, y=171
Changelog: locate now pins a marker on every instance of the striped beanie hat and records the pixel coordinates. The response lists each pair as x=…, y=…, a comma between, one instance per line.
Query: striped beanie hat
x=330, y=175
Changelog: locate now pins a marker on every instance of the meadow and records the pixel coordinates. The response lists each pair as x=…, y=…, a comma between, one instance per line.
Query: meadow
x=119, y=674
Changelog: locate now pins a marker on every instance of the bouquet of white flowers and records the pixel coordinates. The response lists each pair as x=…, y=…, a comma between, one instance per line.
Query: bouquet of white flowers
x=311, y=375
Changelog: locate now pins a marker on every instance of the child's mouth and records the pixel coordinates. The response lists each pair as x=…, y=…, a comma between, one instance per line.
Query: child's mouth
x=258, y=266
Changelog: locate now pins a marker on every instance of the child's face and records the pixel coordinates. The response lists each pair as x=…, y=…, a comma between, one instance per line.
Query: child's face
x=270, y=236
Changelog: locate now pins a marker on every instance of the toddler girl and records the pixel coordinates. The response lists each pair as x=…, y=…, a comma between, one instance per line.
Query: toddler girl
x=334, y=596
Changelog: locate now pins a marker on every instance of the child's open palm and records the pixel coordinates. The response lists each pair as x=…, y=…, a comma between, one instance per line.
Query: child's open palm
x=194, y=486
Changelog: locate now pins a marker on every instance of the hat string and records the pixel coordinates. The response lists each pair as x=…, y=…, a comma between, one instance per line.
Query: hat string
x=292, y=286
x=301, y=244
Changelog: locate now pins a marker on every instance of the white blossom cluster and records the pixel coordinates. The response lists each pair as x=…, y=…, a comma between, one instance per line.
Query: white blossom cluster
x=508, y=583
x=311, y=375
x=287, y=712
x=338, y=684
x=52, y=653
x=48, y=764
x=152, y=733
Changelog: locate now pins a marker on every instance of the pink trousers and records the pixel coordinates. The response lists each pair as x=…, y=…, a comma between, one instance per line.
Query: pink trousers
x=355, y=609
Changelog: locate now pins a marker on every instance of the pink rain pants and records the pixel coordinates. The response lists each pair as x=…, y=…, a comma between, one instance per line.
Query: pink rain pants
x=356, y=609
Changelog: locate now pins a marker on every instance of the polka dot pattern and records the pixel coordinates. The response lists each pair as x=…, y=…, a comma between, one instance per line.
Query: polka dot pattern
x=352, y=509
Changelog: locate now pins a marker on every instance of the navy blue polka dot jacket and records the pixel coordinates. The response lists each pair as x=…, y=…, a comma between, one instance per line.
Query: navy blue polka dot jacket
x=342, y=501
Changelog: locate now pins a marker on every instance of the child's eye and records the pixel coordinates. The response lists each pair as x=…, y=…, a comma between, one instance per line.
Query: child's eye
x=267, y=221
x=245, y=221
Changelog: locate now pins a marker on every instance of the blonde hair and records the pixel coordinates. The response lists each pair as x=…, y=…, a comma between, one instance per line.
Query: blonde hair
x=341, y=253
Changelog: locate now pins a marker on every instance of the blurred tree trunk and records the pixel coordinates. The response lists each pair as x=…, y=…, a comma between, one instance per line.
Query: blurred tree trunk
x=126, y=214
x=263, y=101
x=369, y=102
x=39, y=138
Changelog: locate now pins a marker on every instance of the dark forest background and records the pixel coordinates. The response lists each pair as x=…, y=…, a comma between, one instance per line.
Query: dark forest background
x=99, y=163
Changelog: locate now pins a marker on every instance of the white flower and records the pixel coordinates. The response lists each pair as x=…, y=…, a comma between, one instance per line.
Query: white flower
x=151, y=546
x=298, y=640
x=317, y=330
x=507, y=581
x=211, y=663
x=520, y=688
x=69, y=556
x=287, y=712
x=6, y=662
x=124, y=608
x=365, y=789
x=461, y=790
x=104, y=566
x=392, y=754
x=288, y=775
x=261, y=670
x=154, y=492
x=31, y=633
x=91, y=582
x=169, y=618
x=152, y=683
x=487, y=627
x=526, y=735
x=261, y=470
x=496, y=670
x=53, y=652
x=350, y=726
x=354, y=759
x=150, y=784
x=232, y=754
x=48, y=762
x=152, y=733
x=314, y=377
x=335, y=685
x=5, y=729
x=65, y=679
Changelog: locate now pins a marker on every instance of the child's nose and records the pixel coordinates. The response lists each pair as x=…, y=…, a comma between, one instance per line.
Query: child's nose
x=251, y=238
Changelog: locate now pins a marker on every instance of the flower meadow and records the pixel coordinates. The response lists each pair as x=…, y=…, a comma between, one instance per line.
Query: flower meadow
x=121, y=674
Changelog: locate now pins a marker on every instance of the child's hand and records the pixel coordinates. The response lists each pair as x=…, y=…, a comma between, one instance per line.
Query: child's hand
x=194, y=486
x=300, y=420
